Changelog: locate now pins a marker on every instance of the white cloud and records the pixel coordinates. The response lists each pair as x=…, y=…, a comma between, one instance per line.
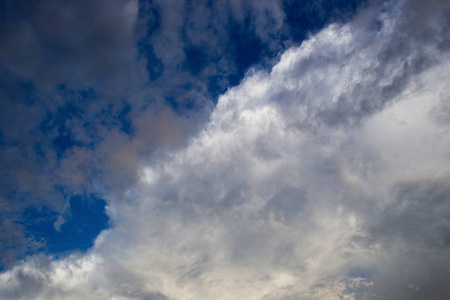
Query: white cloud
x=305, y=184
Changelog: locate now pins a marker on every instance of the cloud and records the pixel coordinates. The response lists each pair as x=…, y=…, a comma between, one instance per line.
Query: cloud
x=324, y=178
x=94, y=40
x=92, y=74
x=60, y=64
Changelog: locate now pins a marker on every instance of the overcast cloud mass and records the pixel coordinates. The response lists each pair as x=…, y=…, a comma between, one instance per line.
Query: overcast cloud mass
x=230, y=149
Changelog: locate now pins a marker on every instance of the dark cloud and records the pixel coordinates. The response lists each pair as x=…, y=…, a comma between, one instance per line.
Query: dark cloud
x=13, y=243
x=417, y=214
x=414, y=230
x=79, y=44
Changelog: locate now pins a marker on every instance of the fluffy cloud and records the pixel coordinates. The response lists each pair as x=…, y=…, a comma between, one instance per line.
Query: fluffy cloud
x=325, y=178
x=91, y=88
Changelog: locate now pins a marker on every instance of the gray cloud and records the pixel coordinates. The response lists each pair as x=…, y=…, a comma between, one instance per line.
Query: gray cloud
x=12, y=241
x=94, y=40
x=414, y=231
x=324, y=178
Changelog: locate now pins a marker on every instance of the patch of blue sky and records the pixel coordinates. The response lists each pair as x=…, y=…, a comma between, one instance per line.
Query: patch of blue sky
x=154, y=66
x=27, y=92
x=180, y=107
x=125, y=121
x=196, y=60
x=246, y=48
x=151, y=16
x=303, y=17
x=77, y=230
x=55, y=124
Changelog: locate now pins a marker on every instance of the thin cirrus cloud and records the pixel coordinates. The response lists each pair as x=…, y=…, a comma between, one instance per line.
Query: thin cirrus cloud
x=323, y=178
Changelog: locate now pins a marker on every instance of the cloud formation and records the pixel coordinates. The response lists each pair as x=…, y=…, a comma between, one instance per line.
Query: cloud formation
x=325, y=178
x=90, y=91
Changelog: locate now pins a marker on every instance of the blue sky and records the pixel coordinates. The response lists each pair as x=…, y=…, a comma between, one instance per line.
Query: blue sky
x=224, y=149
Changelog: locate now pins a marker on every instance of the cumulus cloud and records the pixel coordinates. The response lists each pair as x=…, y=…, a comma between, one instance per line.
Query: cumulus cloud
x=92, y=90
x=325, y=178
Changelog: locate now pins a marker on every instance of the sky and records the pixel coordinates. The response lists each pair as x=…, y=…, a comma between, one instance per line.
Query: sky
x=227, y=149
